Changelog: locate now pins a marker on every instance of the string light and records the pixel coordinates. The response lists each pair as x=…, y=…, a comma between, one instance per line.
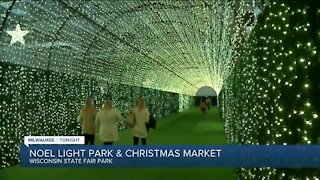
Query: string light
x=38, y=102
x=176, y=47
x=173, y=47
x=70, y=46
x=270, y=96
x=164, y=52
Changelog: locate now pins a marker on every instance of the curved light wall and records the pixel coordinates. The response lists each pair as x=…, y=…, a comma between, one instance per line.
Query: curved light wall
x=175, y=46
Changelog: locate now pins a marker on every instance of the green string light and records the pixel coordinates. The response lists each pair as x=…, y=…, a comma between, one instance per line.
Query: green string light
x=270, y=97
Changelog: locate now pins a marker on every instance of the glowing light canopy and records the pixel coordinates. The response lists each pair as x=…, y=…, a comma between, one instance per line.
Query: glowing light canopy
x=175, y=46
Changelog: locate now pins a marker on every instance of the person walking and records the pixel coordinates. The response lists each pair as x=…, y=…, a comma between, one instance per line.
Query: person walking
x=203, y=107
x=141, y=117
x=106, y=123
x=87, y=120
x=208, y=103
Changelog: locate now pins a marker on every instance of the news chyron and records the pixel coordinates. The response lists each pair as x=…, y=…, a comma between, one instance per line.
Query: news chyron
x=71, y=151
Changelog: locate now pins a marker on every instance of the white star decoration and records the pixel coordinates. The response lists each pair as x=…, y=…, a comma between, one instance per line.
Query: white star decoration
x=17, y=35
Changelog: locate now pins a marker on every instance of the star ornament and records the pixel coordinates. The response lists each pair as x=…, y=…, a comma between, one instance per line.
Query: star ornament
x=17, y=35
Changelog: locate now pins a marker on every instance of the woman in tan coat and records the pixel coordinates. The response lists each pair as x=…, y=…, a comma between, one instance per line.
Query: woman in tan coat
x=106, y=123
x=141, y=118
x=87, y=119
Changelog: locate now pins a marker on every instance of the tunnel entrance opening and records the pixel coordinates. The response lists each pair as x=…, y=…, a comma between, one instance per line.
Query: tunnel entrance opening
x=204, y=93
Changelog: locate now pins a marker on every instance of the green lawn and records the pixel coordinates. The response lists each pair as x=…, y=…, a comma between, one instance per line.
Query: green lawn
x=188, y=127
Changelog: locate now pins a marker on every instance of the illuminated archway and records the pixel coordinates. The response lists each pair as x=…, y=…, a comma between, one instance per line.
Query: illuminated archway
x=176, y=47
x=206, y=91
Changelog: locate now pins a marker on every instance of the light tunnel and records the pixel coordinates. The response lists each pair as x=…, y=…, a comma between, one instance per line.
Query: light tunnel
x=159, y=40
x=261, y=57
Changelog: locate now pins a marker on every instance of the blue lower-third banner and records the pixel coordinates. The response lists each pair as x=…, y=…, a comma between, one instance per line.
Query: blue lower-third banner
x=118, y=156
